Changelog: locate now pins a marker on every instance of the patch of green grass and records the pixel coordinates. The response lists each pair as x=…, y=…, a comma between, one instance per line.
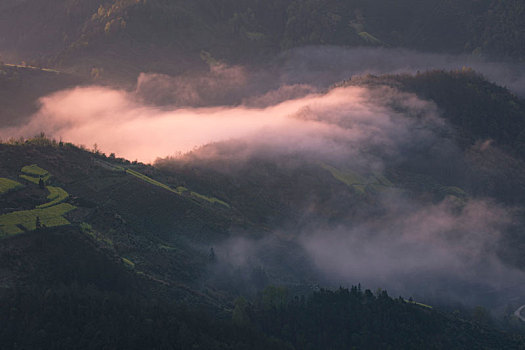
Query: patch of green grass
x=369, y=38
x=34, y=170
x=34, y=180
x=168, y=248
x=95, y=235
x=128, y=262
x=33, y=173
x=359, y=184
x=150, y=180
x=12, y=223
x=109, y=166
x=212, y=200
x=255, y=36
x=179, y=190
x=85, y=227
x=31, y=67
x=418, y=304
x=56, y=195
x=7, y=185
x=347, y=177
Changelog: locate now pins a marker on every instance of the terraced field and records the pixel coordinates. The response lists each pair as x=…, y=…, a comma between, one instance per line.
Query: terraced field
x=179, y=190
x=150, y=180
x=56, y=195
x=7, y=185
x=25, y=220
x=33, y=173
x=49, y=214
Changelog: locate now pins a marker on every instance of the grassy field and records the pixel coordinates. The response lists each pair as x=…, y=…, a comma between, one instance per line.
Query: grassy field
x=33, y=173
x=150, y=180
x=212, y=200
x=56, y=195
x=7, y=185
x=34, y=170
x=49, y=214
x=25, y=220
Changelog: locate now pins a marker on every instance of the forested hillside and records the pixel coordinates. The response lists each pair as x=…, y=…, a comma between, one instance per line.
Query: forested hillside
x=62, y=318
x=202, y=174
x=139, y=32
x=156, y=247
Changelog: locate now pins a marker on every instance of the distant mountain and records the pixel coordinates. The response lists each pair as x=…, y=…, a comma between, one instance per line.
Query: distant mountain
x=126, y=36
x=21, y=86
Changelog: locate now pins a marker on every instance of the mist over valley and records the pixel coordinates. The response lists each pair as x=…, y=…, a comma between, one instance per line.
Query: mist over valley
x=248, y=175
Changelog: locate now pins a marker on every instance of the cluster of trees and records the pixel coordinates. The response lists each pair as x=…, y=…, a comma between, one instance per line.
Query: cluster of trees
x=488, y=123
x=478, y=109
x=61, y=31
x=347, y=318
x=67, y=317
x=488, y=26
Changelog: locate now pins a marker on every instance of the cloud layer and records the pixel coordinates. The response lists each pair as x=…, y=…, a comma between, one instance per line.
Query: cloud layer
x=230, y=114
x=338, y=122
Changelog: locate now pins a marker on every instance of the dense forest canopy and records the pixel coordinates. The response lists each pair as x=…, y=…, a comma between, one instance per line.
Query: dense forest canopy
x=60, y=32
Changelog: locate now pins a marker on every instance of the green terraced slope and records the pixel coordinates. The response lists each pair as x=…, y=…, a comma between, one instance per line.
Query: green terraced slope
x=56, y=195
x=33, y=173
x=25, y=220
x=7, y=185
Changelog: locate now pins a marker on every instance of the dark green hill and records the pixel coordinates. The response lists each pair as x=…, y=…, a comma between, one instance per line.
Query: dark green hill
x=22, y=86
x=248, y=31
x=479, y=156
x=478, y=109
x=124, y=37
x=84, y=318
x=127, y=242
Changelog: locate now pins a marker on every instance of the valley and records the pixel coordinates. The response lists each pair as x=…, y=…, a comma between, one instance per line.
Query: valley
x=292, y=174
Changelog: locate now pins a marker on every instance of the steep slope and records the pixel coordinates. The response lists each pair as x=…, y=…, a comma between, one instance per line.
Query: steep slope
x=110, y=260
x=161, y=235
